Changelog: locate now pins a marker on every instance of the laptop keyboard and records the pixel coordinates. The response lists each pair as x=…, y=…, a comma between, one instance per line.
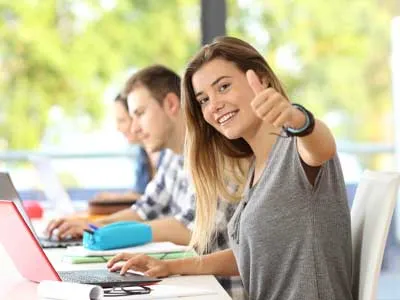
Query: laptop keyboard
x=48, y=243
x=101, y=276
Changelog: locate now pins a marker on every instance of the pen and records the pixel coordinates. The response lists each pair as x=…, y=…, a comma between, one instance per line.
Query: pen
x=89, y=231
x=93, y=227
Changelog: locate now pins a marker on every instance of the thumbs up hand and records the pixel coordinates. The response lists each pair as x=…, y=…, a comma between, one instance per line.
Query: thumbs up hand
x=271, y=106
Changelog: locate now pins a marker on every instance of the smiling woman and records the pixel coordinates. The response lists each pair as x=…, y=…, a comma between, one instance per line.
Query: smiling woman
x=292, y=226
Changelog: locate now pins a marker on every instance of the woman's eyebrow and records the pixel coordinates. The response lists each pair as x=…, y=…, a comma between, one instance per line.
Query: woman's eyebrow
x=214, y=83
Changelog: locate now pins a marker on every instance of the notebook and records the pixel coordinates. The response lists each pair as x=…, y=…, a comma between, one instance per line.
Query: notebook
x=33, y=264
x=154, y=247
x=8, y=192
x=73, y=259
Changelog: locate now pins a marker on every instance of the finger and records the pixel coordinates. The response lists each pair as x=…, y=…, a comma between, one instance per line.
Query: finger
x=273, y=115
x=254, y=82
x=67, y=234
x=262, y=98
x=119, y=257
x=63, y=229
x=265, y=107
x=73, y=232
x=53, y=225
x=115, y=268
x=283, y=119
x=137, y=263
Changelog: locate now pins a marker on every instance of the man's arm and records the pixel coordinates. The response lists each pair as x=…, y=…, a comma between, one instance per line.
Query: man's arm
x=75, y=227
x=170, y=229
x=107, y=196
x=127, y=214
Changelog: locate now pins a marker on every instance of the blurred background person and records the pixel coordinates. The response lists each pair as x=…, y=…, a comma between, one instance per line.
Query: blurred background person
x=145, y=163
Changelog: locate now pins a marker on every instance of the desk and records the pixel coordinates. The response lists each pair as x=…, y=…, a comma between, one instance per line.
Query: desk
x=14, y=287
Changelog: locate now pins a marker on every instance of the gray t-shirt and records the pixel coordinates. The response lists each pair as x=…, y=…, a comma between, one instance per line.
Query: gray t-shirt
x=292, y=239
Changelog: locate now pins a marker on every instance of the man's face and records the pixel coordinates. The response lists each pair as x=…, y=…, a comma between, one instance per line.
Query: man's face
x=149, y=120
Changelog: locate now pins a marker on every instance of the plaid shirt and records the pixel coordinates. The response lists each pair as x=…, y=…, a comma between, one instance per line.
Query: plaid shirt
x=169, y=194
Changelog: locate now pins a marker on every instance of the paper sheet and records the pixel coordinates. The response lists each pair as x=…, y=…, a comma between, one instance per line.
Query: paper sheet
x=59, y=290
x=161, y=247
x=160, y=291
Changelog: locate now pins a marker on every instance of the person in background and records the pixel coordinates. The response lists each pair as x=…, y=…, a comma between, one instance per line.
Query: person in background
x=290, y=236
x=168, y=204
x=145, y=163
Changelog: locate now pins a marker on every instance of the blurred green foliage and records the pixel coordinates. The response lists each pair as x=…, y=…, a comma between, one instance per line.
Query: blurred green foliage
x=332, y=56
x=66, y=52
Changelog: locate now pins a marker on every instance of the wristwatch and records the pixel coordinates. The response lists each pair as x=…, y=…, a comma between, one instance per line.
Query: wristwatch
x=308, y=126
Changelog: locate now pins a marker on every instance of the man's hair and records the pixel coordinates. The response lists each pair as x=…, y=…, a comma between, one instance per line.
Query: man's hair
x=157, y=79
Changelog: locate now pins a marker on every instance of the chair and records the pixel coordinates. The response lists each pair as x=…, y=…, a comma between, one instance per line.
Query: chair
x=371, y=213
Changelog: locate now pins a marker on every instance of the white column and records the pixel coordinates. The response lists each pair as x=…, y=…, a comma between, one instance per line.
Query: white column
x=395, y=64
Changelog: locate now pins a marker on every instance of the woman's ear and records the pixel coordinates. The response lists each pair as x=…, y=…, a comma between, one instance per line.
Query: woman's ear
x=265, y=82
x=172, y=104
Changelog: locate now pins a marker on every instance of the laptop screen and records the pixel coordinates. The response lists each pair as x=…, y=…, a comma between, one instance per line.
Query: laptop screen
x=9, y=192
x=51, y=184
x=22, y=246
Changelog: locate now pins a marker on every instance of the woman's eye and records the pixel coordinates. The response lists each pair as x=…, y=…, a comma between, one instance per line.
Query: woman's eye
x=223, y=87
x=203, y=101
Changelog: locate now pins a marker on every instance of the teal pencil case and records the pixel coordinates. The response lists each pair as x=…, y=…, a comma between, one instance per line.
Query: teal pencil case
x=117, y=235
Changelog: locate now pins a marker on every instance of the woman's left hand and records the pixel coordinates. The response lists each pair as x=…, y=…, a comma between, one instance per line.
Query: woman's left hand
x=139, y=262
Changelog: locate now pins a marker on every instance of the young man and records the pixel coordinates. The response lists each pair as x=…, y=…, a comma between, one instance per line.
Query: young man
x=168, y=203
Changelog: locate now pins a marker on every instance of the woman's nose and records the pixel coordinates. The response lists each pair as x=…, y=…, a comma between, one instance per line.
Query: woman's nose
x=217, y=106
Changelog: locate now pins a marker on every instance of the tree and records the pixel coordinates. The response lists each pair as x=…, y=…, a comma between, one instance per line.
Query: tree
x=65, y=52
x=331, y=55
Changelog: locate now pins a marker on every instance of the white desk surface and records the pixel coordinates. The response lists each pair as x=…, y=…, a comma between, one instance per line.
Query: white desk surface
x=14, y=287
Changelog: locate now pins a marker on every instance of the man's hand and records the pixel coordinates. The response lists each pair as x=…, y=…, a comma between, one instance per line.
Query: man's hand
x=67, y=228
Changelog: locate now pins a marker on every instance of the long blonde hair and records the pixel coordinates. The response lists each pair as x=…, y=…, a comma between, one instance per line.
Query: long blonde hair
x=213, y=160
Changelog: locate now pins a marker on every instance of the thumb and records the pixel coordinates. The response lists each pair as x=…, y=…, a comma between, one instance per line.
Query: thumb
x=254, y=82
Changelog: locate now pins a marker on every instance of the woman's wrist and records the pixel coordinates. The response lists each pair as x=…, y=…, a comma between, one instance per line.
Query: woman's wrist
x=184, y=266
x=299, y=119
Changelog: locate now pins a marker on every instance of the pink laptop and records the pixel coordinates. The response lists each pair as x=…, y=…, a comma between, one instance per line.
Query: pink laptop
x=33, y=264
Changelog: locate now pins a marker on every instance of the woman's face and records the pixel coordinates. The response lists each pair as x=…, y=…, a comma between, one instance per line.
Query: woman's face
x=124, y=121
x=224, y=94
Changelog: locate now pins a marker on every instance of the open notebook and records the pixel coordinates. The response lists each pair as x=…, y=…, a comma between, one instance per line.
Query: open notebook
x=160, y=247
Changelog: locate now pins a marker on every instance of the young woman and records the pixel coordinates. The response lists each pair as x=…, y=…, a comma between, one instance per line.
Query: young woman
x=145, y=164
x=290, y=236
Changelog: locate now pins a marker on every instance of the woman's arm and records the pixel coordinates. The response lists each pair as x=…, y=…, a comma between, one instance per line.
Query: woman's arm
x=171, y=230
x=318, y=147
x=220, y=263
